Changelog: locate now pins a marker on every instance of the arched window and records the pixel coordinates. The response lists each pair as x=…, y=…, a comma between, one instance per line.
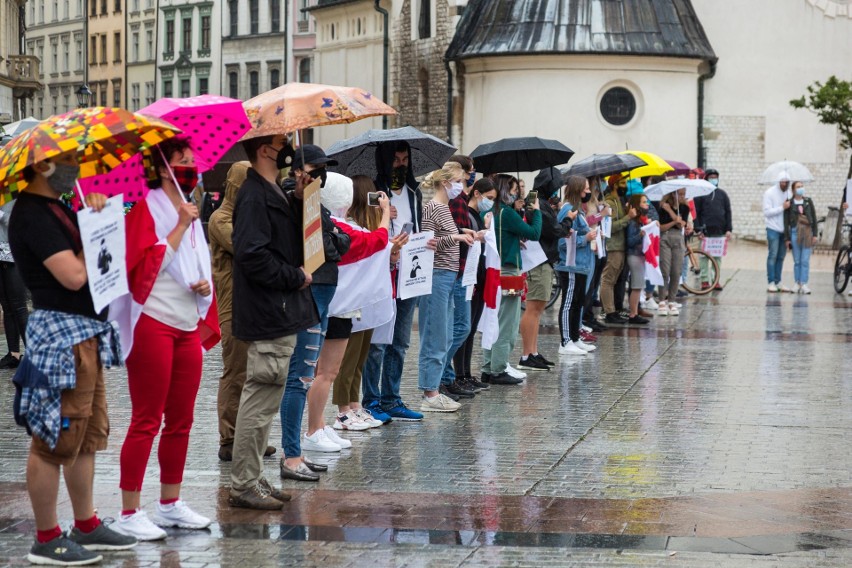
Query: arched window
x=424, y=19
x=305, y=70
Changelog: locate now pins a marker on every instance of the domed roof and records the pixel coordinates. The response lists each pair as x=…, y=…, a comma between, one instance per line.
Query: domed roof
x=668, y=28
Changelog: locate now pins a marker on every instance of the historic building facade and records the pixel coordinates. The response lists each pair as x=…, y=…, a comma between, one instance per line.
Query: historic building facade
x=253, y=47
x=106, y=52
x=19, y=71
x=189, y=48
x=141, y=53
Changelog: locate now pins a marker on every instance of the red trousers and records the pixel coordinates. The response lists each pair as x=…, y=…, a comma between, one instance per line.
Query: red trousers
x=164, y=373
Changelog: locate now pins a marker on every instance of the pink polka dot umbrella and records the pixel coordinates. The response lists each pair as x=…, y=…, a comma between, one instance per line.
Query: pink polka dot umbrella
x=213, y=124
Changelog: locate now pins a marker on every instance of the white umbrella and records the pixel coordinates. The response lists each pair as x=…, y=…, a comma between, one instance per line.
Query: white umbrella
x=694, y=188
x=794, y=170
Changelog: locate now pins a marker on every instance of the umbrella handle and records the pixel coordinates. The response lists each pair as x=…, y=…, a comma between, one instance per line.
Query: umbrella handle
x=177, y=186
x=80, y=193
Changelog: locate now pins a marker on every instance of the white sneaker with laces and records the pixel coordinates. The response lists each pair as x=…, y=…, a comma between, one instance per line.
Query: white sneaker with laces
x=585, y=328
x=673, y=310
x=367, y=418
x=350, y=421
x=804, y=289
x=772, y=287
x=676, y=305
x=663, y=309
x=179, y=515
x=332, y=435
x=319, y=442
x=515, y=373
x=588, y=348
x=783, y=288
x=571, y=349
x=438, y=403
x=139, y=525
x=651, y=304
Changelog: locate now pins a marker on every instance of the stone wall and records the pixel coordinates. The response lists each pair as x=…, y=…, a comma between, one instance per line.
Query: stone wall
x=735, y=146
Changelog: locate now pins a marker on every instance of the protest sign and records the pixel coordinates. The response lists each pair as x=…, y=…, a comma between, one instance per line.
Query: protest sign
x=415, y=266
x=471, y=264
x=103, y=239
x=715, y=246
x=606, y=227
x=312, y=227
x=532, y=255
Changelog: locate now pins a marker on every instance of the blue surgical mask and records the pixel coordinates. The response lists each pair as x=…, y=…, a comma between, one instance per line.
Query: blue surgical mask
x=485, y=205
x=714, y=181
x=800, y=191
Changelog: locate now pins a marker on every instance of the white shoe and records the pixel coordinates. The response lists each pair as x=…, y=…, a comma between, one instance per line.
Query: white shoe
x=673, y=310
x=588, y=348
x=333, y=437
x=783, y=288
x=571, y=349
x=849, y=293
x=515, y=373
x=804, y=289
x=138, y=525
x=651, y=304
x=350, y=421
x=319, y=442
x=663, y=309
x=585, y=328
x=676, y=305
x=367, y=418
x=438, y=403
x=772, y=287
x=179, y=515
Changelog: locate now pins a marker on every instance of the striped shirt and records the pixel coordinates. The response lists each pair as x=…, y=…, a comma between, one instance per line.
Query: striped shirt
x=437, y=217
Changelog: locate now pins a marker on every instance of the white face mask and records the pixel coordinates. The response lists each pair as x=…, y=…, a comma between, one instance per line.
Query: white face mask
x=455, y=189
x=486, y=205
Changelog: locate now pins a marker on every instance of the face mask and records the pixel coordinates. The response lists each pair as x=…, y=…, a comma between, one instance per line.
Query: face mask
x=187, y=177
x=800, y=191
x=284, y=159
x=714, y=181
x=62, y=178
x=472, y=179
x=485, y=205
x=644, y=209
x=455, y=189
x=398, y=177
x=586, y=197
x=602, y=186
x=321, y=173
x=511, y=199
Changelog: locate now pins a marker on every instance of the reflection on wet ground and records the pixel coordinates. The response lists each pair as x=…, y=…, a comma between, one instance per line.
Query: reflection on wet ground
x=712, y=438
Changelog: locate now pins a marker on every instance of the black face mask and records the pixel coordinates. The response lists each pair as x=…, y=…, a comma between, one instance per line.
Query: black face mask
x=398, y=177
x=586, y=197
x=321, y=173
x=285, y=157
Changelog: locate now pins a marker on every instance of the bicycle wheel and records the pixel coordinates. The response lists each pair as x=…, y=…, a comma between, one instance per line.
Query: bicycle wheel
x=842, y=268
x=555, y=293
x=693, y=283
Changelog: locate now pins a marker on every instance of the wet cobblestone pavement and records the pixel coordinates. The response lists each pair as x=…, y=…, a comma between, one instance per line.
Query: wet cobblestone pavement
x=719, y=438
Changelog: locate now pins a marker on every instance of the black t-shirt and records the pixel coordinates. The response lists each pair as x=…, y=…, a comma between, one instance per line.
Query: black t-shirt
x=683, y=211
x=35, y=234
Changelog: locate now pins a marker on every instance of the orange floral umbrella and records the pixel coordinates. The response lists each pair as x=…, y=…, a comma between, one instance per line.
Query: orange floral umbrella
x=296, y=106
x=103, y=137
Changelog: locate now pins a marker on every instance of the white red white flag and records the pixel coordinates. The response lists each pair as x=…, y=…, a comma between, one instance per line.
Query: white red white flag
x=651, y=248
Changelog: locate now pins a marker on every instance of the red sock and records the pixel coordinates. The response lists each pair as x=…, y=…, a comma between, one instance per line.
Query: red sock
x=168, y=501
x=128, y=512
x=88, y=525
x=48, y=535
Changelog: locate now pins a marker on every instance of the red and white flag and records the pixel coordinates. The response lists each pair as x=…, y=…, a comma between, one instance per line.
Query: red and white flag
x=488, y=324
x=651, y=248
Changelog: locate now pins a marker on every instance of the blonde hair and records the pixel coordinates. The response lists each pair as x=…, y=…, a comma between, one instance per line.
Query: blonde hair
x=436, y=179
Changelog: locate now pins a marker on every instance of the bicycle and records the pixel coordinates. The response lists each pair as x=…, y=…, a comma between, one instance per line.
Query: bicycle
x=843, y=265
x=554, y=293
x=693, y=282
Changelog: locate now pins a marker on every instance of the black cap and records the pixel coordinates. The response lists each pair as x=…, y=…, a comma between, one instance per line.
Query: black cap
x=313, y=154
x=710, y=172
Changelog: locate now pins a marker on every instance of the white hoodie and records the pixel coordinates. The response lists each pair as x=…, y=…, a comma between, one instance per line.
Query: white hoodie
x=773, y=206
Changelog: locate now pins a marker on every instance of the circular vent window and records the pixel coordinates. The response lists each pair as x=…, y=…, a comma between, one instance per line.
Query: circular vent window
x=618, y=106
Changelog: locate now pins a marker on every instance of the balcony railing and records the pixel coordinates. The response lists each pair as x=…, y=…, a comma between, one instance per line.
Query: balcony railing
x=303, y=26
x=23, y=68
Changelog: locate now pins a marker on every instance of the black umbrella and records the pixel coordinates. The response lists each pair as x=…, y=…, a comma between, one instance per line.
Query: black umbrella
x=604, y=165
x=526, y=154
x=358, y=155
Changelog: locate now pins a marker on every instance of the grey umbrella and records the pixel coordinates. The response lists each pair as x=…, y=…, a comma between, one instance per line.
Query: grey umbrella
x=358, y=155
x=604, y=165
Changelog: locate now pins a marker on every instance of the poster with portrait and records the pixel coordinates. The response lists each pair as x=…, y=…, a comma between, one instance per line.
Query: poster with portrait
x=103, y=239
x=415, y=266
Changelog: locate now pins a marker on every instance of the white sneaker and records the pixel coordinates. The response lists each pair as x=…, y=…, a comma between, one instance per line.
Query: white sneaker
x=367, y=418
x=651, y=304
x=515, y=373
x=438, y=403
x=676, y=305
x=849, y=293
x=350, y=421
x=571, y=349
x=332, y=435
x=139, y=525
x=585, y=328
x=783, y=288
x=319, y=442
x=804, y=289
x=179, y=515
x=588, y=348
x=673, y=310
x=663, y=309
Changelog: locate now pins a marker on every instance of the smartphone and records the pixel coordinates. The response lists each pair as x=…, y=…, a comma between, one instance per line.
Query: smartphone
x=373, y=199
x=532, y=196
x=408, y=227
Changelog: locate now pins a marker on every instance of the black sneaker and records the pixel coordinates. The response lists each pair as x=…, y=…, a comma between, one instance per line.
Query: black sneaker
x=466, y=384
x=9, y=361
x=226, y=452
x=444, y=391
x=62, y=551
x=531, y=363
x=637, y=320
x=616, y=318
x=544, y=360
x=459, y=391
x=504, y=379
x=479, y=384
x=102, y=538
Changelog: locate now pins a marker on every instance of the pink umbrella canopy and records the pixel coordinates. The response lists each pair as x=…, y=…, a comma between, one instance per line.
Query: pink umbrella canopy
x=213, y=125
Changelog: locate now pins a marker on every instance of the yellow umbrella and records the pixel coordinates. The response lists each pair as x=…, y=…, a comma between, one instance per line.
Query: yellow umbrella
x=656, y=166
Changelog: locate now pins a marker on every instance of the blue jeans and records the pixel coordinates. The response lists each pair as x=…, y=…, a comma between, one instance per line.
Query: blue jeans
x=385, y=362
x=303, y=366
x=461, y=328
x=436, y=329
x=801, y=259
x=775, y=259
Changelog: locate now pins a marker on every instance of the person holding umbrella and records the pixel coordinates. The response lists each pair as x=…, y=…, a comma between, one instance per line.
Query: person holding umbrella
x=713, y=212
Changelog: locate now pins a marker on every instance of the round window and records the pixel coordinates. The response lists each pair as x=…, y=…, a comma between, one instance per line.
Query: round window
x=618, y=106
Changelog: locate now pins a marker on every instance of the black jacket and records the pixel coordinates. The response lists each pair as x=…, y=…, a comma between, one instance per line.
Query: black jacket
x=384, y=166
x=547, y=183
x=268, y=251
x=713, y=212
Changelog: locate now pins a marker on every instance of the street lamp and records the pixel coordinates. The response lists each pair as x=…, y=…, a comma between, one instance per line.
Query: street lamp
x=83, y=96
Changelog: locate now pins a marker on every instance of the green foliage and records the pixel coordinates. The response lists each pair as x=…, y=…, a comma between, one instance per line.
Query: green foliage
x=832, y=103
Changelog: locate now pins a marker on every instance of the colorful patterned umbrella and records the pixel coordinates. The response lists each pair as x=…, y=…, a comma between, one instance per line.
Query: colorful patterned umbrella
x=103, y=137
x=213, y=125
x=296, y=106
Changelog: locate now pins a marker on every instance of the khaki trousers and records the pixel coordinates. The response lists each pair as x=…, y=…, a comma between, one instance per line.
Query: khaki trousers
x=609, y=276
x=268, y=363
x=347, y=385
x=234, y=354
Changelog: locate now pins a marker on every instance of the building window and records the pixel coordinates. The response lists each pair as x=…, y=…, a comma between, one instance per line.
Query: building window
x=116, y=44
x=149, y=93
x=275, y=13
x=55, y=10
x=303, y=16
x=93, y=50
x=205, y=32
x=41, y=11
x=254, y=11
x=203, y=86
x=134, y=6
x=170, y=36
x=424, y=19
x=103, y=48
x=233, y=7
x=187, y=34
x=254, y=84
x=79, y=45
x=55, y=105
x=274, y=78
x=233, y=84
x=40, y=108
x=66, y=56
x=32, y=13
x=167, y=88
x=149, y=45
x=134, y=46
x=305, y=70
x=104, y=11
x=184, y=88
x=618, y=106
x=80, y=12
x=93, y=11
x=134, y=97
x=54, y=50
x=103, y=96
x=116, y=95
x=117, y=7
x=66, y=8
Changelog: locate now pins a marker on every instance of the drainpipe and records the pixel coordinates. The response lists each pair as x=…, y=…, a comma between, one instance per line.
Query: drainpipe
x=386, y=47
x=701, y=80
x=286, y=70
x=449, y=101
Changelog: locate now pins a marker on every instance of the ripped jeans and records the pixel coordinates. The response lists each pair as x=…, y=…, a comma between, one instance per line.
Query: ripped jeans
x=303, y=366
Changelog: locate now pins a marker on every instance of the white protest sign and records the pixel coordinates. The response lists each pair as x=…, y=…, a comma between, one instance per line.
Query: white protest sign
x=849, y=197
x=571, y=249
x=103, y=239
x=472, y=264
x=606, y=227
x=532, y=255
x=415, y=266
x=600, y=245
x=715, y=246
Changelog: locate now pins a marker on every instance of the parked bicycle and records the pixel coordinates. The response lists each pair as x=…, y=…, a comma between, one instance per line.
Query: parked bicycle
x=694, y=259
x=843, y=264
